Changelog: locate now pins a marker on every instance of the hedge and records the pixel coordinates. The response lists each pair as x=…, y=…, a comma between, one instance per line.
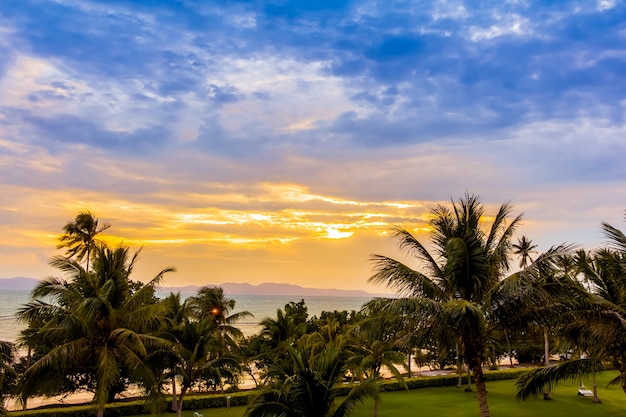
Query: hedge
x=204, y=401
x=137, y=406
x=448, y=380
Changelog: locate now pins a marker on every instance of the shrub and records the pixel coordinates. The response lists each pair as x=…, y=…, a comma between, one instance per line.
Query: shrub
x=204, y=401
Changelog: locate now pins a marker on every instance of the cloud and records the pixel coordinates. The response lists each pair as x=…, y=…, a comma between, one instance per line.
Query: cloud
x=261, y=131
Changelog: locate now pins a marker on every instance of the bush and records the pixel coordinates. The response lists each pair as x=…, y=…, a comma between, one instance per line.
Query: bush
x=112, y=410
x=135, y=407
x=448, y=380
x=204, y=401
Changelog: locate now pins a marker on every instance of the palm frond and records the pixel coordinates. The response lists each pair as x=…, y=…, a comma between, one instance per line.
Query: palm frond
x=403, y=279
x=535, y=382
x=368, y=388
x=269, y=404
x=58, y=362
x=465, y=317
x=107, y=375
x=407, y=242
x=616, y=238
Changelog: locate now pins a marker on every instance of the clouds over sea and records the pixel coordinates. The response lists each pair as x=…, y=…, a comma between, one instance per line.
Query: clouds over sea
x=280, y=140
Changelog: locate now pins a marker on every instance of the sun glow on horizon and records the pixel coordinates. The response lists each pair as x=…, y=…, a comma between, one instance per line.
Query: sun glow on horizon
x=333, y=233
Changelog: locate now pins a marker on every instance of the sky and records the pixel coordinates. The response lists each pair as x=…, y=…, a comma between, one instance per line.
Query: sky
x=281, y=141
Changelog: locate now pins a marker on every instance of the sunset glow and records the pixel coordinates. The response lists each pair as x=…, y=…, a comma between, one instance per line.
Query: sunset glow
x=283, y=141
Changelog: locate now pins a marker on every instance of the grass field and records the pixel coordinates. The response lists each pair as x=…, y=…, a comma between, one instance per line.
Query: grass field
x=450, y=401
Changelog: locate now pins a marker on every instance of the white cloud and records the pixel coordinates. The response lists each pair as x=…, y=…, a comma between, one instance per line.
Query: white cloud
x=509, y=24
x=445, y=9
x=299, y=93
x=606, y=5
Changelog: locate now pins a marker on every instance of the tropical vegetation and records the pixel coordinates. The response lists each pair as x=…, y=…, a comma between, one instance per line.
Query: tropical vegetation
x=473, y=295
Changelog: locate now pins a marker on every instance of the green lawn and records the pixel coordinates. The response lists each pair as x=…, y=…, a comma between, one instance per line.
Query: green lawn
x=450, y=401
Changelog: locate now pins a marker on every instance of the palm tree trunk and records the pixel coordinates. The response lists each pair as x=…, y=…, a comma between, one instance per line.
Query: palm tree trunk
x=251, y=373
x=376, y=407
x=481, y=388
x=595, y=387
x=468, y=388
x=408, y=362
x=179, y=411
x=174, y=405
x=179, y=404
x=24, y=400
x=508, y=347
x=459, y=366
x=546, y=361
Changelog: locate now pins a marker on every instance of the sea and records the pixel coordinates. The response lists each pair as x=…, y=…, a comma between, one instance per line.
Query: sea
x=261, y=306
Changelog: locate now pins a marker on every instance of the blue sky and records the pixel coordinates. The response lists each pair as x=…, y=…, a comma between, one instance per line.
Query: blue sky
x=280, y=140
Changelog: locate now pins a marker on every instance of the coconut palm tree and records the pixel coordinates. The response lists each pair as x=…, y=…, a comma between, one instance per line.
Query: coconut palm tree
x=596, y=329
x=453, y=290
x=538, y=296
x=163, y=361
x=79, y=237
x=307, y=384
x=523, y=248
x=376, y=345
x=195, y=349
x=275, y=336
x=211, y=302
x=101, y=325
x=8, y=353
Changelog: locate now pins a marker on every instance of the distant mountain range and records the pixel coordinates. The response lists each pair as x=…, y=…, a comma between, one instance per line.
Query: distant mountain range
x=267, y=288
x=18, y=283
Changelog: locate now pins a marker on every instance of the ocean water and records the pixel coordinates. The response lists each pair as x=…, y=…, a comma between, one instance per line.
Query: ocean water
x=261, y=306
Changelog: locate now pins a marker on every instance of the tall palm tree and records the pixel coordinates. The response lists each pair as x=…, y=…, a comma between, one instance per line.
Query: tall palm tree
x=211, y=302
x=163, y=362
x=538, y=296
x=195, y=349
x=597, y=329
x=308, y=384
x=79, y=237
x=101, y=325
x=451, y=293
x=523, y=248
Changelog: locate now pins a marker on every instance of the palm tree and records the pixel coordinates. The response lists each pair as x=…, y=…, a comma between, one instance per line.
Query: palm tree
x=79, y=237
x=211, y=302
x=8, y=353
x=275, y=336
x=195, y=349
x=101, y=325
x=523, y=248
x=163, y=362
x=307, y=384
x=538, y=296
x=597, y=329
x=454, y=288
x=377, y=346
